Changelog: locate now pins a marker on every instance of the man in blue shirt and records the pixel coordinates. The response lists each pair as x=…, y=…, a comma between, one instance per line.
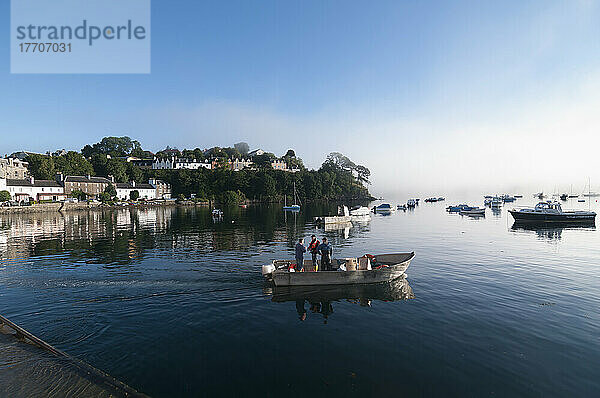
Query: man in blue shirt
x=326, y=251
x=300, y=250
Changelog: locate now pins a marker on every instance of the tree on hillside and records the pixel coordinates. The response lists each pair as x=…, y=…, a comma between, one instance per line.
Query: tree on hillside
x=196, y=153
x=103, y=166
x=292, y=161
x=73, y=163
x=41, y=167
x=168, y=152
x=337, y=161
x=232, y=153
x=134, y=173
x=115, y=147
x=264, y=161
x=243, y=148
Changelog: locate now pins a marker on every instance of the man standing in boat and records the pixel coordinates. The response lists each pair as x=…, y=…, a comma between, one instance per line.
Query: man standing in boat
x=326, y=251
x=313, y=248
x=300, y=250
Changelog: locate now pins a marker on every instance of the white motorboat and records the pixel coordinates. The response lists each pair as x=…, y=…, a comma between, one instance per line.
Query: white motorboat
x=360, y=211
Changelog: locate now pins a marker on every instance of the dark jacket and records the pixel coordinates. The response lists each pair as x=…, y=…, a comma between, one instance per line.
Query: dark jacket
x=300, y=250
x=325, y=249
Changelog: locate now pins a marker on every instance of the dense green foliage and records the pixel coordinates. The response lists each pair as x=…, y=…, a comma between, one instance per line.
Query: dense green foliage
x=44, y=167
x=4, y=196
x=116, y=147
x=264, y=185
x=338, y=178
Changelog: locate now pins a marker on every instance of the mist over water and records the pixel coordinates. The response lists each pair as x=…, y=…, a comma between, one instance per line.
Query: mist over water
x=172, y=303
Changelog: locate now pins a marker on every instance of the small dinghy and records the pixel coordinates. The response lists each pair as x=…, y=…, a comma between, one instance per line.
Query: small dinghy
x=473, y=212
x=347, y=271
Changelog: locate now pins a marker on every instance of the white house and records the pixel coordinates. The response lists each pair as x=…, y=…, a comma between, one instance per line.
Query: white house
x=240, y=164
x=32, y=189
x=124, y=189
x=177, y=163
x=256, y=152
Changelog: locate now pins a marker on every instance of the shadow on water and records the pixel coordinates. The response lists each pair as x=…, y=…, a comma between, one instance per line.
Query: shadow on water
x=320, y=298
x=550, y=232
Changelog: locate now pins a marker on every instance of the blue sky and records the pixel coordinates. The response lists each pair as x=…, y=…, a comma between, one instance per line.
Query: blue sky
x=415, y=90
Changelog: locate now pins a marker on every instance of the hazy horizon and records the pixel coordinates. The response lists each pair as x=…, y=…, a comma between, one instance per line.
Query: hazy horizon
x=456, y=97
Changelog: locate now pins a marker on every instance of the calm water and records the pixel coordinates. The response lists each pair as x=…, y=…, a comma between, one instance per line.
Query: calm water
x=173, y=304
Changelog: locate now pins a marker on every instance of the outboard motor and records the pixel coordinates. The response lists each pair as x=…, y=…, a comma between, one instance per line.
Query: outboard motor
x=267, y=270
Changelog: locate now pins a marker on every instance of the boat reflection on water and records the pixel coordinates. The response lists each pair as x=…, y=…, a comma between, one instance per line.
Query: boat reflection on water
x=550, y=232
x=320, y=298
x=497, y=212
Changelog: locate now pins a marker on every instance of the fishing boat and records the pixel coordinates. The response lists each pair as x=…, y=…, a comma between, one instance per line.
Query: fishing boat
x=496, y=202
x=401, y=207
x=564, y=196
x=441, y=199
x=411, y=203
x=431, y=200
x=473, y=211
x=552, y=212
x=518, y=196
x=348, y=271
x=295, y=206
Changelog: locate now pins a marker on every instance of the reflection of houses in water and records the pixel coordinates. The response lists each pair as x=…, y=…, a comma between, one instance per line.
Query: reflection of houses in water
x=79, y=232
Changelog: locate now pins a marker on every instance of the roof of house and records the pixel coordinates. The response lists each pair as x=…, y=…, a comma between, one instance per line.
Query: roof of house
x=96, y=180
x=128, y=185
x=36, y=183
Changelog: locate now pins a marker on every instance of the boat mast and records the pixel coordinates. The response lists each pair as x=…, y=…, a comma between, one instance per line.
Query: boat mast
x=295, y=199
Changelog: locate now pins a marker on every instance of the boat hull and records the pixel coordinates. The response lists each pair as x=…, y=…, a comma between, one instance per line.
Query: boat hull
x=398, y=289
x=387, y=274
x=553, y=218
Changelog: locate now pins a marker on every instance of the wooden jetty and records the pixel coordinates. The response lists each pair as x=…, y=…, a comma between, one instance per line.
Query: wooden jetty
x=39, y=369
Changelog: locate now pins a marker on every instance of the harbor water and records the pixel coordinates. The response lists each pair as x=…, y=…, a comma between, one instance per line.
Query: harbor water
x=171, y=302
